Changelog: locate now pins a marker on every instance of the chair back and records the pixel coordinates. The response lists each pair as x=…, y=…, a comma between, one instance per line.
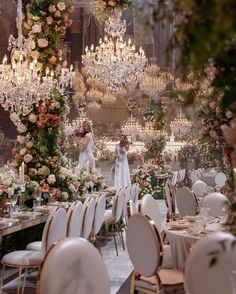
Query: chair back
x=194, y=176
x=186, y=202
x=118, y=205
x=89, y=211
x=73, y=266
x=169, y=198
x=216, y=204
x=174, y=178
x=55, y=228
x=220, y=179
x=137, y=191
x=99, y=213
x=127, y=192
x=133, y=192
x=144, y=245
x=132, y=208
x=149, y=207
x=75, y=220
x=126, y=199
x=199, y=188
x=210, y=265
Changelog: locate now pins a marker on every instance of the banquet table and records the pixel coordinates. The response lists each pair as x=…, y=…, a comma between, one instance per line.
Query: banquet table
x=181, y=237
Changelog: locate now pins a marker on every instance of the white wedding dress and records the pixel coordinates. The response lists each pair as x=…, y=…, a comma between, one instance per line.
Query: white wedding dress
x=86, y=157
x=122, y=174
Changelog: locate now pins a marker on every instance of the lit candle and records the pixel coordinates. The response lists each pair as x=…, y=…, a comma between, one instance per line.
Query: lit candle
x=23, y=173
x=20, y=175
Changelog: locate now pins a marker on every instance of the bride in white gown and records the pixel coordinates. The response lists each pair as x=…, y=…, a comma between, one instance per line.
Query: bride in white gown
x=86, y=157
x=122, y=174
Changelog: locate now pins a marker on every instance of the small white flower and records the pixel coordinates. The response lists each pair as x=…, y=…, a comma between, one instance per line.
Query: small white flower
x=33, y=118
x=10, y=191
x=51, y=179
x=21, y=139
x=61, y=5
x=21, y=128
x=36, y=28
x=23, y=151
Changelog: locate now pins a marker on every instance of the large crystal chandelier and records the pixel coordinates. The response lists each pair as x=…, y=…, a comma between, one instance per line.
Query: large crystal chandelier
x=21, y=82
x=76, y=124
x=180, y=126
x=154, y=81
x=114, y=61
x=149, y=132
x=131, y=127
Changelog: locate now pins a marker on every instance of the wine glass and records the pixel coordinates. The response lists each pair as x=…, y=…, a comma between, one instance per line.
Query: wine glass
x=37, y=196
x=51, y=195
x=14, y=199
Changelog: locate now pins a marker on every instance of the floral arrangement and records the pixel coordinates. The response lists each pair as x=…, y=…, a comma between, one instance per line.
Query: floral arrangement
x=147, y=176
x=213, y=117
x=39, y=145
x=107, y=5
x=46, y=23
x=9, y=184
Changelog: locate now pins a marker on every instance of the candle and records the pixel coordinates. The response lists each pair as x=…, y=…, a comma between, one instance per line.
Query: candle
x=20, y=175
x=23, y=173
x=87, y=166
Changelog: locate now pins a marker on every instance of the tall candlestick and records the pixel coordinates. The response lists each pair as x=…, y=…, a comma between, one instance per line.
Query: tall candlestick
x=20, y=174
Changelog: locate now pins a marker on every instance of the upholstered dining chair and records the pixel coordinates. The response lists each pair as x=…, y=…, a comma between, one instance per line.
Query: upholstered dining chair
x=211, y=265
x=75, y=220
x=216, y=204
x=55, y=229
x=99, y=215
x=169, y=200
x=126, y=201
x=89, y=211
x=194, y=176
x=133, y=192
x=199, y=188
x=113, y=217
x=82, y=270
x=186, y=202
x=137, y=191
x=220, y=180
x=146, y=253
x=150, y=208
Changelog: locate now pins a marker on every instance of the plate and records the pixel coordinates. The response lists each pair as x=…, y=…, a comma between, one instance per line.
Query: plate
x=8, y=221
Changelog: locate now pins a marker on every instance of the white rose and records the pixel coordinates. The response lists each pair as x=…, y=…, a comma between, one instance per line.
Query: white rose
x=23, y=151
x=52, y=8
x=14, y=118
x=21, y=139
x=64, y=195
x=34, y=54
x=7, y=182
x=29, y=144
x=10, y=191
x=42, y=43
x=33, y=118
x=57, y=13
x=36, y=28
x=51, y=179
x=27, y=158
x=61, y=5
x=21, y=128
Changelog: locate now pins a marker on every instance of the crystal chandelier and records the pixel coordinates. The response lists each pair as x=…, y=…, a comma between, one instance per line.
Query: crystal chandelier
x=108, y=98
x=76, y=124
x=21, y=82
x=149, y=132
x=114, y=61
x=131, y=127
x=180, y=126
x=154, y=81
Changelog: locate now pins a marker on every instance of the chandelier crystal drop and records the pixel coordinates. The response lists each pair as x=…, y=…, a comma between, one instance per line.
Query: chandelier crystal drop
x=154, y=80
x=21, y=82
x=114, y=61
x=180, y=125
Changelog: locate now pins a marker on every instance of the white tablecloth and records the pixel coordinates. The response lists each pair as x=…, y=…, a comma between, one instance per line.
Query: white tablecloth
x=181, y=242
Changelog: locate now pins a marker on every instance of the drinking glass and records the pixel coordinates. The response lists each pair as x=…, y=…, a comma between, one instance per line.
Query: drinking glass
x=14, y=199
x=37, y=196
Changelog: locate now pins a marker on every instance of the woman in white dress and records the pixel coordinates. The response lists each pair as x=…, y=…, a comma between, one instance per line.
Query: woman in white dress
x=86, y=157
x=122, y=174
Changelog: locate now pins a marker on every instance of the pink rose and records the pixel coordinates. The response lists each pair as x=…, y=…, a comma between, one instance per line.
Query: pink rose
x=52, y=59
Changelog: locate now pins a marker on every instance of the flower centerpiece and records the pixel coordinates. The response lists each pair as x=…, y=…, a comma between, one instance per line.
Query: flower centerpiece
x=149, y=180
x=10, y=184
x=108, y=5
